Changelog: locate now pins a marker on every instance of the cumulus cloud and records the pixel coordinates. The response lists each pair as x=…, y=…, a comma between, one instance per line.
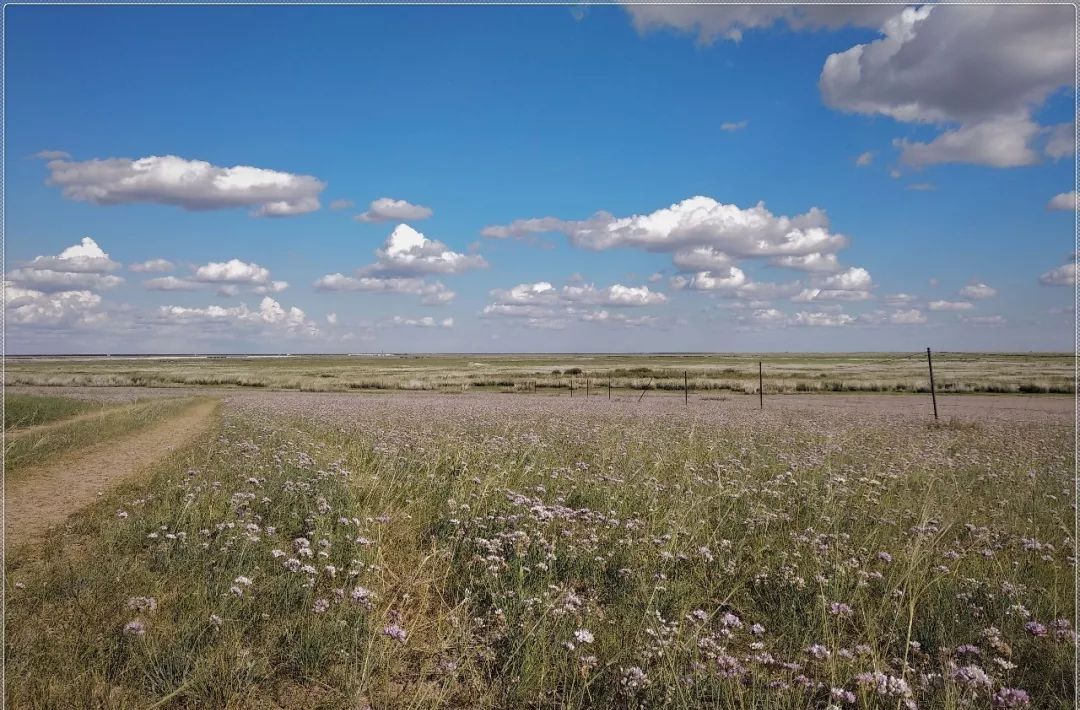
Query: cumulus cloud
x=33, y=308
x=232, y=271
x=951, y=305
x=400, y=263
x=86, y=257
x=152, y=266
x=189, y=184
x=983, y=69
x=541, y=304
x=81, y=266
x=910, y=316
x=434, y=293
x=543, y=293
x=1064, y=201
x=694, y=222
x=977, y=290
x=171, y=283
x=1061, y=140
x=852, y=284
x=730, y=21
x=1064, y=275
x=269, y=314
x=425, y=322
x=407, y=252
x=822, y=319
x=386, y=209
x=819, y=263
x=1000, y=143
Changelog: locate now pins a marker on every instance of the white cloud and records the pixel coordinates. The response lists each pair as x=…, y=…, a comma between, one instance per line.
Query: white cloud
x=425, y=322
x=86, y=257
x=49, y=280
x=190, y=184
x=820, y=263
x=732, y=126
x=272, y=287
x=697, y=221
x=152, y=266
x=386, y=209
x=704, y=258
x=999, y=143
x=1064, y=201
x=232, y=271
x=912, y=316
x=977, y=290
x=543, y=293
x=52, y=155
x=864, y=159
x=821, y=319
x=270, y=314
x=171, y=283
x=984, y=68
x=730, y=21
x=1061, y=141
x=729, y=279
x=33, y=308
x=407, y=252
x=431, y=293
x=984, y=320
x=897, y=299
x=852, y=284
x=951, y=305
x=331, y=318
x=1064, y=275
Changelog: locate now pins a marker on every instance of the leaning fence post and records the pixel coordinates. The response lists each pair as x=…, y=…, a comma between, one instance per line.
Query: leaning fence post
x=933, y=392
x=760, y=387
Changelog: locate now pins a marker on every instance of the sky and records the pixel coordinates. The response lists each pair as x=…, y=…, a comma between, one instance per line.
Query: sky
x=539, y=179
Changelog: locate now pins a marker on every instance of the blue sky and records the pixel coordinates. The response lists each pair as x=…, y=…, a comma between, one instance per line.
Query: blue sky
x=461, y=119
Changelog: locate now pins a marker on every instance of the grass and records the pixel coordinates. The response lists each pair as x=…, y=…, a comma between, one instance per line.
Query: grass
x=737, y=373
x=545, y=555
x=24, y=410
x=37, y=447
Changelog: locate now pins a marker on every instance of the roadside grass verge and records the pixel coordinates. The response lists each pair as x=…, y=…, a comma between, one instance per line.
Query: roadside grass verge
x=37, y=447
x=27, y=410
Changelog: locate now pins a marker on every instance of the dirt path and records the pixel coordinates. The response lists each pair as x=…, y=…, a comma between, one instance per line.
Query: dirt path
x=45, y=495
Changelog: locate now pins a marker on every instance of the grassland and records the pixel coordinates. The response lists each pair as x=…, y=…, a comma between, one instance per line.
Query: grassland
x=387, y=551
x=24, y=410
x=27, y=448
x=784, y=373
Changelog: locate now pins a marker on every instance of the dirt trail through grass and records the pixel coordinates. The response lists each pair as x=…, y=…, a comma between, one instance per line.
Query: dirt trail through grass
x=45, y=495
x=17, y=432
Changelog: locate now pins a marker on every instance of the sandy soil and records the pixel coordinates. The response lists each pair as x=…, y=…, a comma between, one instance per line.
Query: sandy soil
x=45, y=495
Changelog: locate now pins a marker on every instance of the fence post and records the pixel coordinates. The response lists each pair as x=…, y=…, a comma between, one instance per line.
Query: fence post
x=571, y=388
x=686, y=389
x=933, y=392
x=586, y=389
x=760, y=387
x=609, y=390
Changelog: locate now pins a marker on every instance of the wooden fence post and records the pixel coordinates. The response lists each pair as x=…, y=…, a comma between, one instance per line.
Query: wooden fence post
x=760, y=387
x=933, y=393
x=686, y=389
